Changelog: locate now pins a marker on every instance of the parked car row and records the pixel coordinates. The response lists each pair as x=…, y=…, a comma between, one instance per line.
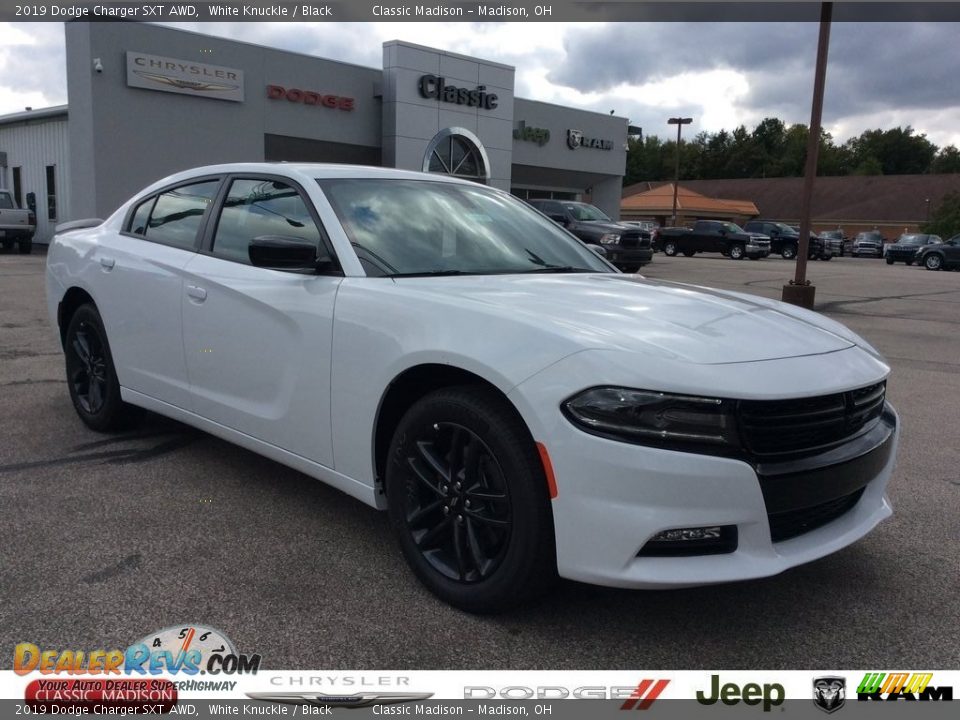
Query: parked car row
x=16, y=225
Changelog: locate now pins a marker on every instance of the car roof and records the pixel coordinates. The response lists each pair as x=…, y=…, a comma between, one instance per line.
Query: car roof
x=311, y=170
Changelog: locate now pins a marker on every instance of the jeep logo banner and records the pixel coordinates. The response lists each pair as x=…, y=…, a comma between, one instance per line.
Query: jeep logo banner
x=541, y=136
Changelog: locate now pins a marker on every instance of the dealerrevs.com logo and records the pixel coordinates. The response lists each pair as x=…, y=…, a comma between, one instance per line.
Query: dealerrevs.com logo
x=186, y=649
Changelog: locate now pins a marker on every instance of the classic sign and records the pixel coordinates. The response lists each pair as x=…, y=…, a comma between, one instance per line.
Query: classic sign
x=433, y=86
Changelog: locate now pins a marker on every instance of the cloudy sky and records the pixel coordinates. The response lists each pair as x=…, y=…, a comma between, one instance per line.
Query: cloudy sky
x=880, y=75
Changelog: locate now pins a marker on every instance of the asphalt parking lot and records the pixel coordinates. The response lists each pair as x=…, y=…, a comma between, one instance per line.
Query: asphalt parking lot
x=104, y=539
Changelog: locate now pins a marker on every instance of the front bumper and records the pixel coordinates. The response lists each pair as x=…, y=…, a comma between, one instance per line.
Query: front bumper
x=867, y=252
x=756, y=251
x=628, y=256
x=613, y=497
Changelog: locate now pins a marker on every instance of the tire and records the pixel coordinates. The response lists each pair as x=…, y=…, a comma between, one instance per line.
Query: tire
x=826, y=258
x=7, y=245
x=670, y=248
x=736, y=252
x=25, y=245
x=689, y=253
x=499, y=554
x=788, y=252
x=889, y=261
x=933, y=261
x=88, y=357
x=909, y=262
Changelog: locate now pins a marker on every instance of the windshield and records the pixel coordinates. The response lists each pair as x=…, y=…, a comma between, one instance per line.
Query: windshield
x=786, y=229
x=732, y=227
x=582, y=212
x=912, y=240
x=420, y=227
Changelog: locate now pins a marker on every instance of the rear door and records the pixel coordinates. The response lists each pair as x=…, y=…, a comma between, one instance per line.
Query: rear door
x=140, y=286
x=257, y=340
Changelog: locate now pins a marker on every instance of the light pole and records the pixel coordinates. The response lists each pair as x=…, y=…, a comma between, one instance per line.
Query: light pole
x=679, y=122
x=927, y=201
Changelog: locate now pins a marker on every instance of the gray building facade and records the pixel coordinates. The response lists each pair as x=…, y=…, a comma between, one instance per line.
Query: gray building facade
x=145, y=101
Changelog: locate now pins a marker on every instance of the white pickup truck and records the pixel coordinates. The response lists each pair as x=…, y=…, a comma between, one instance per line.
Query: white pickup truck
x=16, y=225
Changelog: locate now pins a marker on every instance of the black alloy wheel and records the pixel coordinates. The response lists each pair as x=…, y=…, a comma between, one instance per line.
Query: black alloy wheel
x=933, y=261
x=91, y=378
x=468, y=500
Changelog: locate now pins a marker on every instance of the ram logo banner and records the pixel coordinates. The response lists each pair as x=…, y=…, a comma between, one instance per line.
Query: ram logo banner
x=153, y=72
x=576, y=139
x=901, y=686
x=357, y=700
x=829, y=693
x=645, y=694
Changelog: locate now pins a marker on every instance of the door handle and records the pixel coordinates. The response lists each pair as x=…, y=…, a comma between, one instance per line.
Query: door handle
x=197, y=293
x=107, y=263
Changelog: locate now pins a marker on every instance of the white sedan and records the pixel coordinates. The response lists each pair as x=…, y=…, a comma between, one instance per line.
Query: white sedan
x=440, y=350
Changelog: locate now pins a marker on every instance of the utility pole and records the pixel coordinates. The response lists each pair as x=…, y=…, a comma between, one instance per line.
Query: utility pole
x=800, y=291
x=679, y=122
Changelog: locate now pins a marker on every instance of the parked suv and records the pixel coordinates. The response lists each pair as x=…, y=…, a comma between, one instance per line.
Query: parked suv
x=16, y=225
x=626, y=246
x=867, y=244
x=906, y=247
x=941, y=256
x=784, y=240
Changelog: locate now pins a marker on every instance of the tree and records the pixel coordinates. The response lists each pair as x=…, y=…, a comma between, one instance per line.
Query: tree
x=945, y=219
x=946, y=161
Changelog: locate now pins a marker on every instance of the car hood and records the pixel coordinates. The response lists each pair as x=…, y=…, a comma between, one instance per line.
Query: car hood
x=672, y=321
x=611, y=226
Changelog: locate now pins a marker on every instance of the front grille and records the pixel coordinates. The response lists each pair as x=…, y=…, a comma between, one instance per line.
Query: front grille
x=630, y=239
x=772, y=428
x=793, y=523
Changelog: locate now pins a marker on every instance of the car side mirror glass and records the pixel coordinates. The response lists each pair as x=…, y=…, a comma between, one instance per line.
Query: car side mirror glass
x=283, y=252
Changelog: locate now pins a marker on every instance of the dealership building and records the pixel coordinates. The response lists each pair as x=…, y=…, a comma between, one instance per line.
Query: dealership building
x=145, y=101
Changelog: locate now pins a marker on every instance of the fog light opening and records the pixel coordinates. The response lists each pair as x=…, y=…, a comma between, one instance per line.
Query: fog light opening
x=707, y=540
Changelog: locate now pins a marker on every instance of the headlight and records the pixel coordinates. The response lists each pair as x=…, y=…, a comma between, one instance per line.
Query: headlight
x=654, y=418
x=609, y=239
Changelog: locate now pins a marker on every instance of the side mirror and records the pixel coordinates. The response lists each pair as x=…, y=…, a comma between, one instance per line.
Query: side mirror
x=559, y=219
x=282, y=252
x=32, y=201
x=599, y=250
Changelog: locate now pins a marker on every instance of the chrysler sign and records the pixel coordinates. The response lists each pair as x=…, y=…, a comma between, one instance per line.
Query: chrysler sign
x=184, y=77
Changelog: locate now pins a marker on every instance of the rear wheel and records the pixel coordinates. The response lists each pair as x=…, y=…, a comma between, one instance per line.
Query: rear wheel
x=91, y=378
x=25, y=245
x=468, y=500
x=788, y=252
x=933, y=261
x=736, y=252
x=670, y=248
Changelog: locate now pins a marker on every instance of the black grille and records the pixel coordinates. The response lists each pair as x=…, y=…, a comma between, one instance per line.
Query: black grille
x=772, y=428
x=792, y=523
x=630, y=239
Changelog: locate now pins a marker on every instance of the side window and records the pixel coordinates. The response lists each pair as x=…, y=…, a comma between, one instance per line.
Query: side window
x=254, y=208
x=177, y=214
x=138, y=223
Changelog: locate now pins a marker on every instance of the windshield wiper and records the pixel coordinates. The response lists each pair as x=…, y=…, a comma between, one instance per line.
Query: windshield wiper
x=431, y=273
x=557, y=269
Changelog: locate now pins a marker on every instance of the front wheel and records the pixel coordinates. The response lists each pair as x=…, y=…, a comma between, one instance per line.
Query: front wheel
x=736, y=252
x=469, y=502
x=933, y=261
x=670, y=249
x=889, y=261
x=91, y=378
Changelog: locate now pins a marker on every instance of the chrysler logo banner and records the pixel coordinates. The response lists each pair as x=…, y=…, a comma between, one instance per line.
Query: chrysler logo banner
x=153, y=72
